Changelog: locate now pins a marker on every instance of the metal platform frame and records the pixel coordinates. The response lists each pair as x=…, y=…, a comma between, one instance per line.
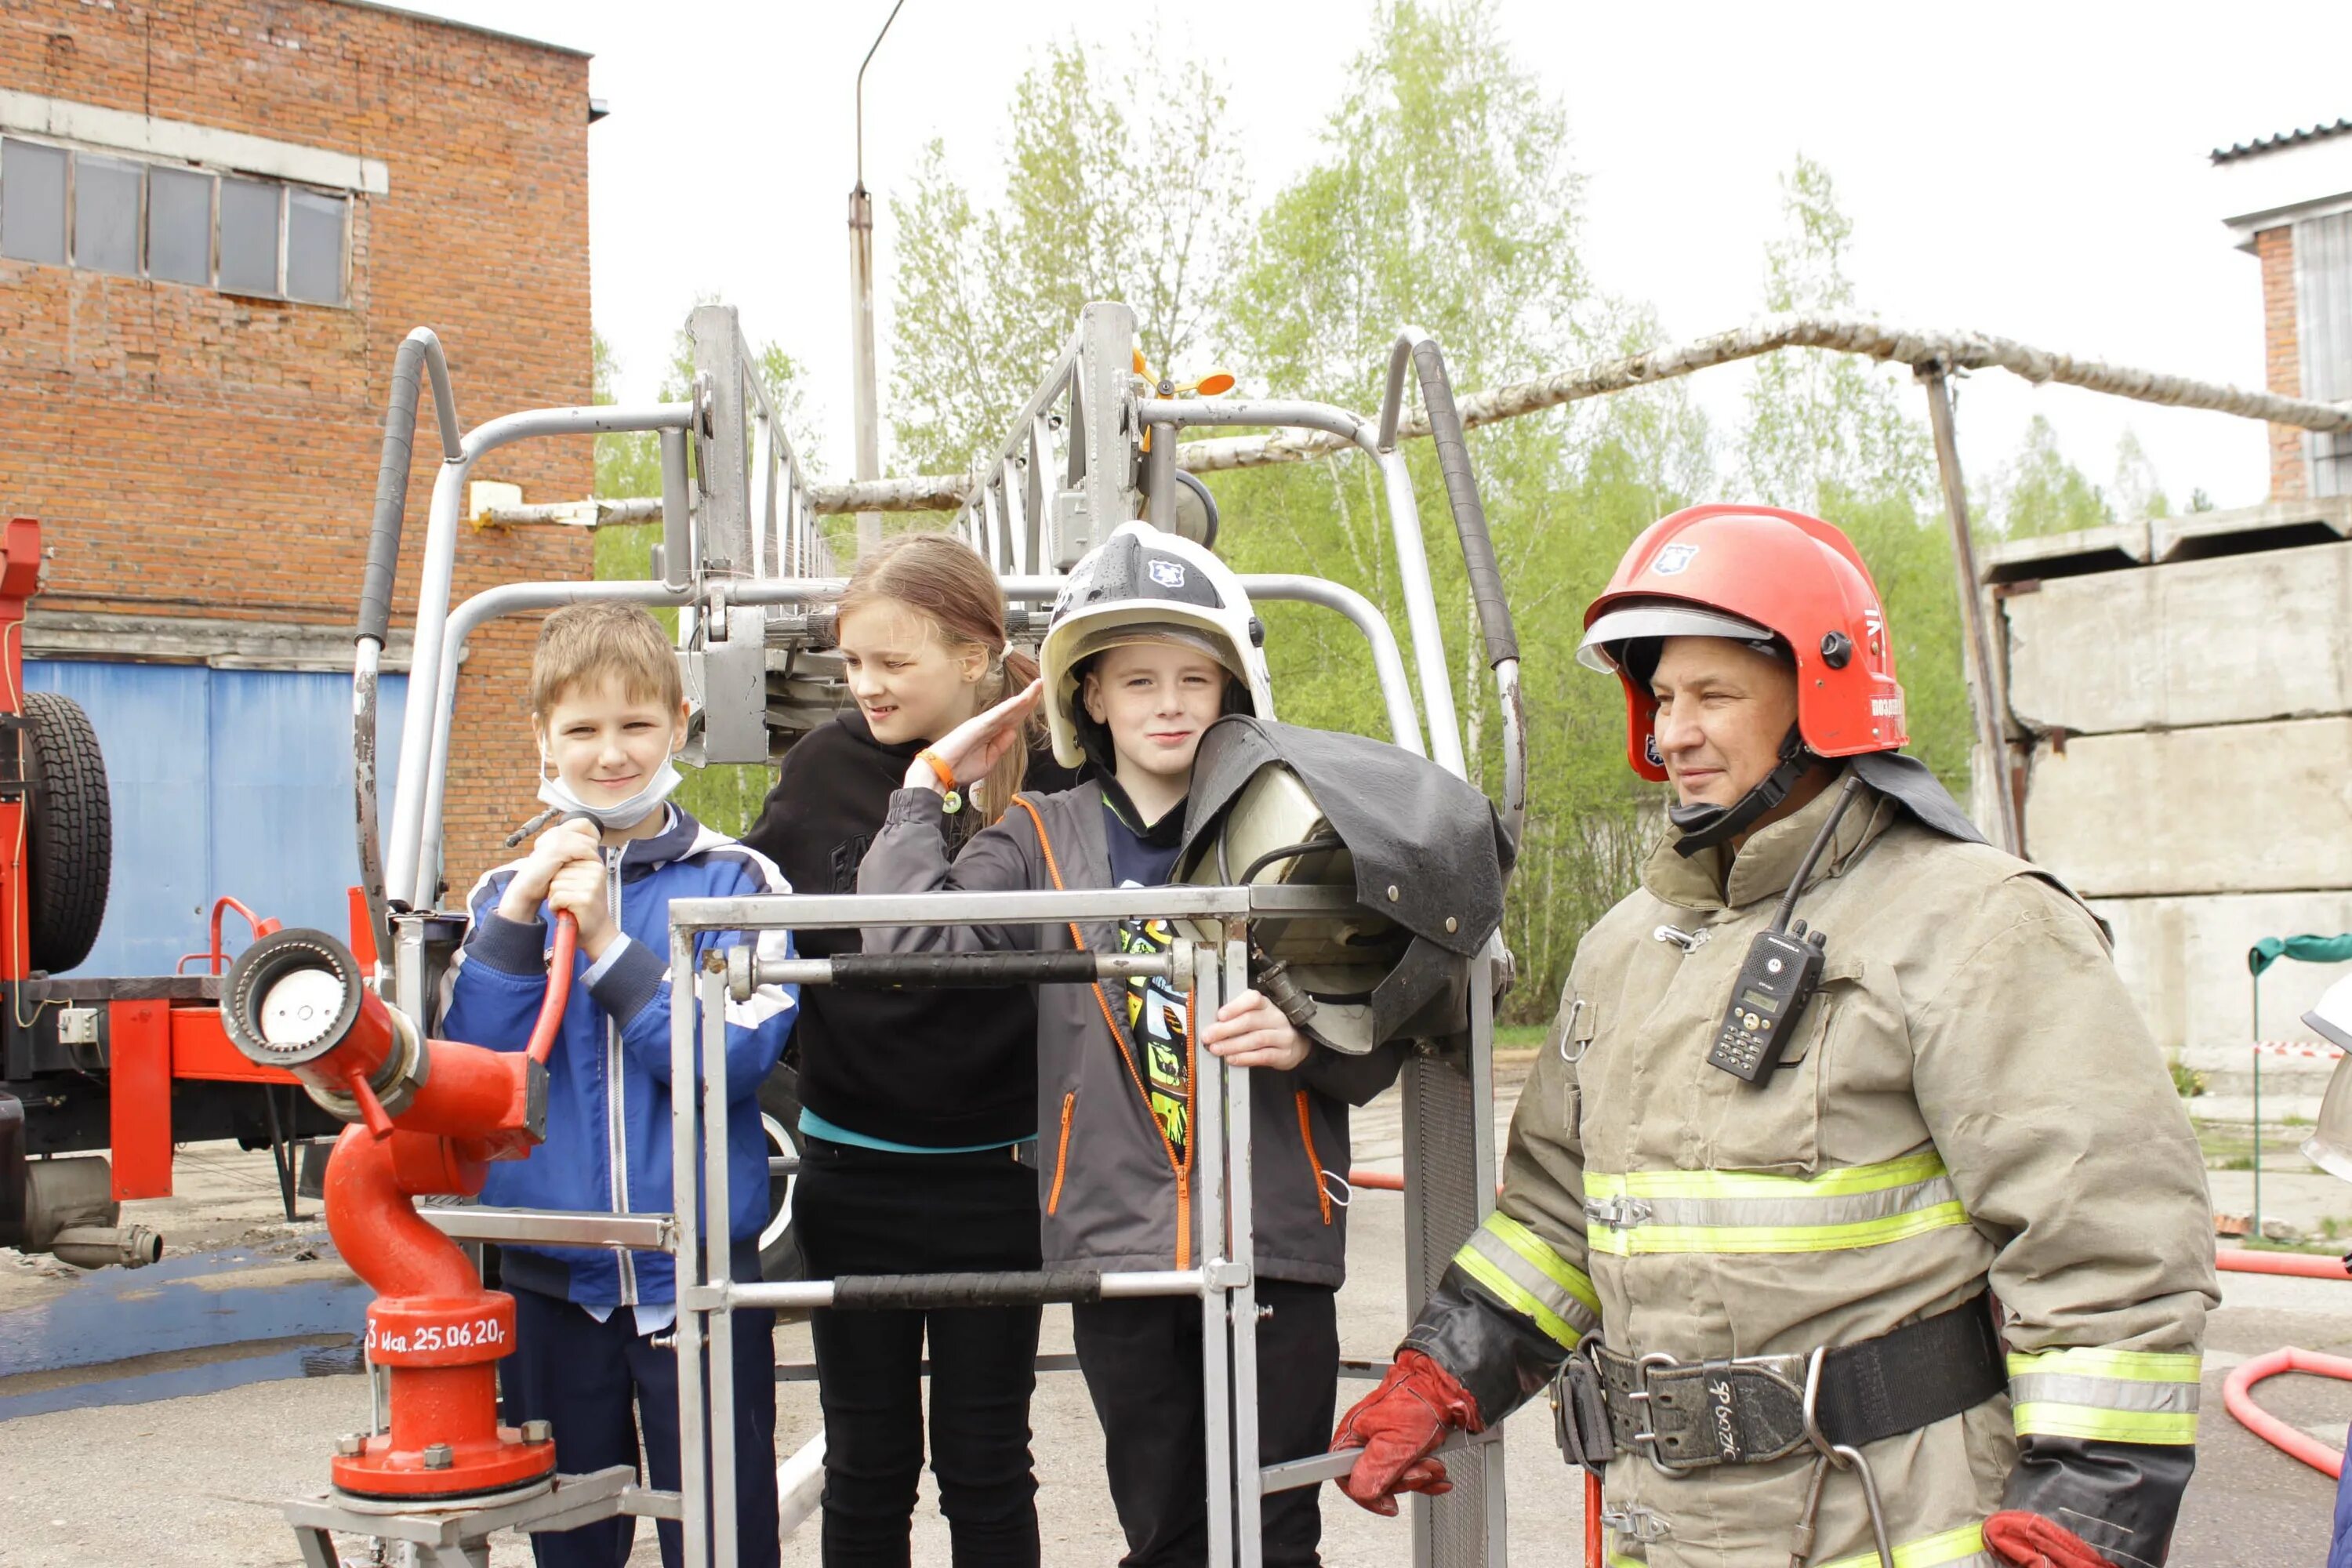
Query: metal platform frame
x=742, y=561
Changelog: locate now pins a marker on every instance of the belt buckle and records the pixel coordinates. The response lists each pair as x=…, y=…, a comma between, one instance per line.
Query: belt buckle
x=1648, y=1442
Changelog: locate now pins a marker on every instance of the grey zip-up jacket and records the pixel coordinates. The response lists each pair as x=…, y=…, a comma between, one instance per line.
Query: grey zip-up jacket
x=1111, y=1195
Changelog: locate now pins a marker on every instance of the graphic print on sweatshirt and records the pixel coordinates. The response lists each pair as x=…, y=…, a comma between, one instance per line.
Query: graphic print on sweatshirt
x=1155, y=1021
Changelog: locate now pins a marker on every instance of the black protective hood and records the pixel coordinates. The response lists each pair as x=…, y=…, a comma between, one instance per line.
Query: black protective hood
x=1907, y=783
x=1414, y=831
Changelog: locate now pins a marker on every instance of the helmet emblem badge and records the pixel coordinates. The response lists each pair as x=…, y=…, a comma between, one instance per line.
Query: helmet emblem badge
x=1650, y=750
x=1168, y=574
x=1673, y=559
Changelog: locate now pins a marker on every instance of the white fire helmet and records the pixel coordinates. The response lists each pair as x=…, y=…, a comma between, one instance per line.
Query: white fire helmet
x=2330, y=1144
x=1143, y=585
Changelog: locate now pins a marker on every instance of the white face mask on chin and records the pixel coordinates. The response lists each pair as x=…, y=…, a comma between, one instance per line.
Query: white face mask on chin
x=621, y=816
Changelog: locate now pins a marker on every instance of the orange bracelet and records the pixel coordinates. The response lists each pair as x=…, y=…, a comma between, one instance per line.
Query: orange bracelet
x=940, y=770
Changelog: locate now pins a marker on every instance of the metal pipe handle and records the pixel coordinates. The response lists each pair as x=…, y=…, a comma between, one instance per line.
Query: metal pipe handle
x=928, y=970
x=929, y=1292
x=1012, y=1288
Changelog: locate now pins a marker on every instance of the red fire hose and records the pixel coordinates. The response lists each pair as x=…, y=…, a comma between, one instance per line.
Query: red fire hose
x=559, y=988
x=2237, y=1393
x=2238, y=1390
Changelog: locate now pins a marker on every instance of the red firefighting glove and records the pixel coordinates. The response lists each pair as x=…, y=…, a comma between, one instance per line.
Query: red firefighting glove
x=1396, y=1425
x=2030, y=1541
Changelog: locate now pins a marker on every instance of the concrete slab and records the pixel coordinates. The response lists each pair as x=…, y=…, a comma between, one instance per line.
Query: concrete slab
x=2240, y=808
x=2194, y=533
x=2183, y=957
x=2117, y=545
x=2219, y=641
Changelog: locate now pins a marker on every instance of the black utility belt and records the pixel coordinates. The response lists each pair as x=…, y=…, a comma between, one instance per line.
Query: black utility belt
x=1751, y=1410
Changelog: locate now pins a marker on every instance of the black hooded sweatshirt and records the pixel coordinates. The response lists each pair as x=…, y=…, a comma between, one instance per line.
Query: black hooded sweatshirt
x=934, y=1069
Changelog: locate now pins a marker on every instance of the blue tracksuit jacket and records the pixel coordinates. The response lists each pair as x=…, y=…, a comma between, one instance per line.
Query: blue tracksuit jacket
x=608, y=1109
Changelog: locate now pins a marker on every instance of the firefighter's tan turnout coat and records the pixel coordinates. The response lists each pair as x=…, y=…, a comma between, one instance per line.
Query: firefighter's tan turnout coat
x=1973, y=1102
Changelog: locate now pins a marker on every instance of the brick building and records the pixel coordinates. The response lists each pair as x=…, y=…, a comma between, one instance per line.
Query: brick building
x=2289, y=202
x=218, y=218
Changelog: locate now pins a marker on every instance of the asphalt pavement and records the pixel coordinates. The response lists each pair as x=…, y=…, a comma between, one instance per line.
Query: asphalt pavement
x=194, y=1477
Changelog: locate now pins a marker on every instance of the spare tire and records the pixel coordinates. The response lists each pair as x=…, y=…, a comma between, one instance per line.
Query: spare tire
x=68, y=832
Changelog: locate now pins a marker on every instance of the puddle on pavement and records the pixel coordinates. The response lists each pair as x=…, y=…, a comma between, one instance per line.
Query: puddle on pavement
x=183, y=1326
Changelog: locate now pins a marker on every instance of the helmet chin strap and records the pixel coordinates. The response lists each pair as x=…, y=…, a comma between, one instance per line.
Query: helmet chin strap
x=1705, y=826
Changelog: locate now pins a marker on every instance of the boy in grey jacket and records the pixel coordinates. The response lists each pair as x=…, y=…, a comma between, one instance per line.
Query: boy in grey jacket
x=1151, y=643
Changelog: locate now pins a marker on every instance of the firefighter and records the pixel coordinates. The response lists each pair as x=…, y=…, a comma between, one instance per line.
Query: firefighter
x=1930, y=1288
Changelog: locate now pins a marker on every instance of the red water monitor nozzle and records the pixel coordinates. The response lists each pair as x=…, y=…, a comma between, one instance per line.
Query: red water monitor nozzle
x=429, y=1116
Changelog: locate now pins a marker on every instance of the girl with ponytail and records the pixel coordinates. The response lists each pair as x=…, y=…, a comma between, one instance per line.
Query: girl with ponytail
x=919, y=1112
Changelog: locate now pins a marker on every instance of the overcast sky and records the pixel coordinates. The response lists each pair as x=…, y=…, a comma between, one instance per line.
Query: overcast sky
x=2035, y=170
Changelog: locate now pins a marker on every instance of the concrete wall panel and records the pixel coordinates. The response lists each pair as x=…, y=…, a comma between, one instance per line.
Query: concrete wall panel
x=2241, y=809
x=2221, y=641
x=2184, y=960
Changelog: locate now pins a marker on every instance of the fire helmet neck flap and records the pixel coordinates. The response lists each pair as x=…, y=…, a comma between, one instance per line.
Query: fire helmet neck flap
x=1143, y=585
x=1780, y=582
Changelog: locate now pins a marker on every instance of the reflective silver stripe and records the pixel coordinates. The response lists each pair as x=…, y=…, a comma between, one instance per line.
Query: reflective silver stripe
x=1853, y=1208
x=2104, y=1392
x=1497, y=1258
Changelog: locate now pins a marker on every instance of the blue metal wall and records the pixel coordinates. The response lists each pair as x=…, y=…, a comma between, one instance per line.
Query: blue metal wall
x=223, y=781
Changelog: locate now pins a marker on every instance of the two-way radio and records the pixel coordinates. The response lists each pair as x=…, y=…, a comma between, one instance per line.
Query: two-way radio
x=1778, y=980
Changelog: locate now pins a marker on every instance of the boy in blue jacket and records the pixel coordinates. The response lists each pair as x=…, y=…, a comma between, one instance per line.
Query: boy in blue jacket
x=595, y=1353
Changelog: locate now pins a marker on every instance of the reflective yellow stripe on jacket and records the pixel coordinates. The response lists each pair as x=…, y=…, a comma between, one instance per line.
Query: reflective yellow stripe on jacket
x=1724, y=1211
x=2122, y=1397
x=1526, y=1275
x=1961, y=1548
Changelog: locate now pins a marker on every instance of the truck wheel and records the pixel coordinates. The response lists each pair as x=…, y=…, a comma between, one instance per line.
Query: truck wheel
x=70, y=831
x=780, y=1120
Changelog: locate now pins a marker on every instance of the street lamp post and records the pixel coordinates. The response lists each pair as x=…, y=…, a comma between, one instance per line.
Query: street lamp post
x=864, y=405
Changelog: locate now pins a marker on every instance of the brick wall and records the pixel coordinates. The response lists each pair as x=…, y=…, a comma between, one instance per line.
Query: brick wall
x=194, y=453
x=2282, y=356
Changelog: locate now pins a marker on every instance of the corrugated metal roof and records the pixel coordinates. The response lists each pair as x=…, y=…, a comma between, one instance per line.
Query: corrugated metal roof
x=2284, y=138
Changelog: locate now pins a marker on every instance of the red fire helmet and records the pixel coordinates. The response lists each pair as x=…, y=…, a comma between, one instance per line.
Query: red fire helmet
x=1746, y=572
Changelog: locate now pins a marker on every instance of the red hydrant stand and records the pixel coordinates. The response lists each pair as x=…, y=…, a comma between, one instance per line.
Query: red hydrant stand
x=433, y=1328
x=428, y=1118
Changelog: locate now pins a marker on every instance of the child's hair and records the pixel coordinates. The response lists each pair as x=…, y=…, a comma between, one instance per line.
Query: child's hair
x=945, y=581
x=600, y=640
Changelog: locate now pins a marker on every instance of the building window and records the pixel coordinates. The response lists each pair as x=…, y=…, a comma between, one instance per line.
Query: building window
x=248, y=237
x=33, y=202
x=179, y=225
x=2323, y=288
x=68, y=207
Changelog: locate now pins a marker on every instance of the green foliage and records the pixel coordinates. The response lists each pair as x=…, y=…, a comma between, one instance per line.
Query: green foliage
x=1828, y=433
x=1144, y=204
x=727, y=797
x=2040, y=492
x=1823, y=425
x=2139, y=495
x=626, y=464
x=1443, y=195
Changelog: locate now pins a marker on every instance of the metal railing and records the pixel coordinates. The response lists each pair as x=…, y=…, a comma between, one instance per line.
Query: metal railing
x=742, y=561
